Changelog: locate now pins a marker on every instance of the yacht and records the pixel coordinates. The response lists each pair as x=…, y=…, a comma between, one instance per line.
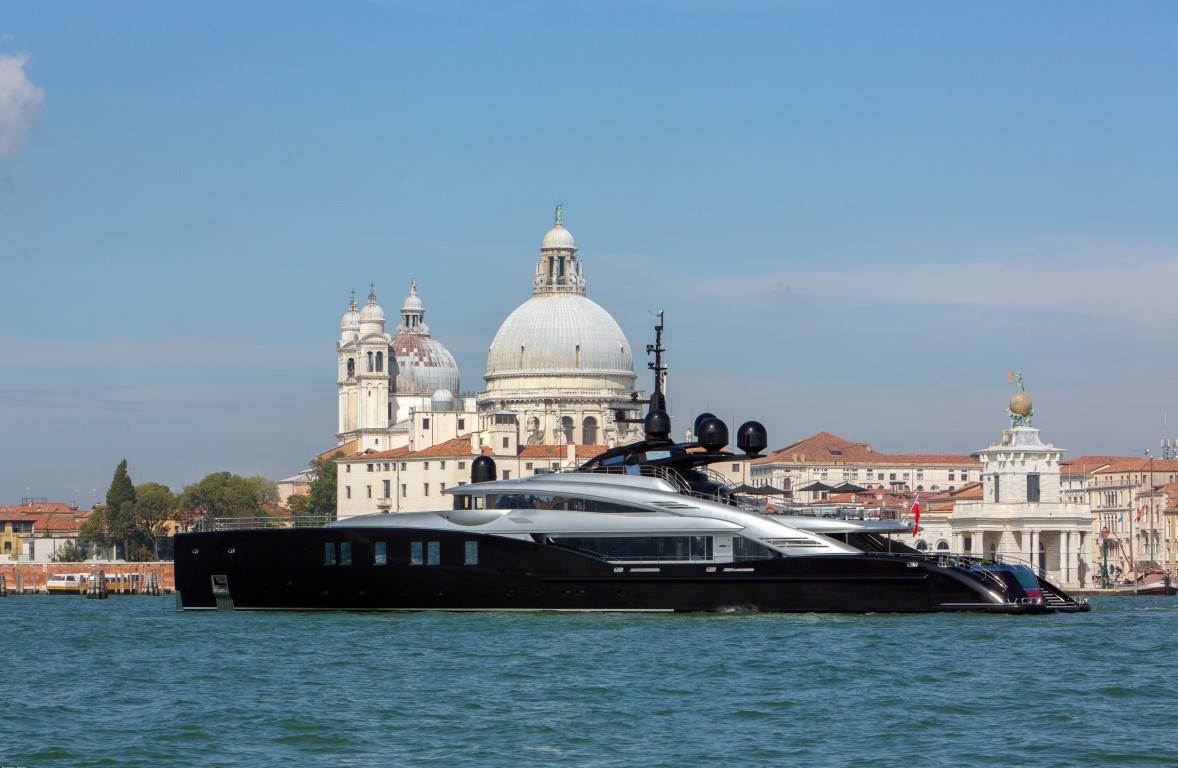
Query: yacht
x=640, y=527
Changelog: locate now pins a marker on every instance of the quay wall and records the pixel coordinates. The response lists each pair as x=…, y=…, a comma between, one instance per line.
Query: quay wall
x=34, y=575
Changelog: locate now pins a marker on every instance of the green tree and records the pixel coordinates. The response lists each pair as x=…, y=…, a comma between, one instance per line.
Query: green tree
x=154, y=506
x=223, y=494
x=264, y=490
x=120, y=508
x=297, y=503
x=69, y=553
x=321, y=500
x=94, y=532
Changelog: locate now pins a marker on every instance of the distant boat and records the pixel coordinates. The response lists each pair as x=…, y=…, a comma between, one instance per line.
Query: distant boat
x=66, y=583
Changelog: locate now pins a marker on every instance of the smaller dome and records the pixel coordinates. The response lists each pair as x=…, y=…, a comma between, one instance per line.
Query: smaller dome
x=351, y=319
x=558, y=237
x=412, y=302
x=372, y=313
x=442, y=400
x=1020, y=404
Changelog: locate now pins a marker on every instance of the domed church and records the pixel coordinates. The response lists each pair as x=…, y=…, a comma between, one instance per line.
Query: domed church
x=383, y=378
x=560, y=363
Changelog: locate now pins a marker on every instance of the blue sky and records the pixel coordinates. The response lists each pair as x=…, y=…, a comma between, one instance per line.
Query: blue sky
x=858, y=216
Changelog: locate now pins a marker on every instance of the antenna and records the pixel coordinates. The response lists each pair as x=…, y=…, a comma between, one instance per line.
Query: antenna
x=658, y=401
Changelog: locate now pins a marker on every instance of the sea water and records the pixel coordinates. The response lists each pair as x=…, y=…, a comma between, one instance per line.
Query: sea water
x=129, y=681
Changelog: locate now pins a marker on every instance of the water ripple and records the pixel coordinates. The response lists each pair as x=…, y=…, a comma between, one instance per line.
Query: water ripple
x=130, y=682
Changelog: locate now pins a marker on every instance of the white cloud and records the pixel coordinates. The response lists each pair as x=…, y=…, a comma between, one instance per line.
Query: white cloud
x=20, y=102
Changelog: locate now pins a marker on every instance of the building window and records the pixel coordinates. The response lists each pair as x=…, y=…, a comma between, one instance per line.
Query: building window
x=329, y=553
x=369, y=488
x=471, y=553
x=425, y=465
x=462, y=424
x=462, y=465
x=425, y=423
x=381, y=555
x=443, y=464
x=348, y=468
x=404, y=466
x=892, y=476
x=528, y=465
x=404, y=491
x=345, y=553
x=387, y=488
x=997, y=486
x=351, y=368
x=433, y=553
x=379, y=362
x=505, y=443
x=1032, y=487
x=369, y=467
x=589, y=431
x=952, y=476
x=370, y=364
x=735, y=467
x=441, y=487
x=426, y=487
x=415, y=548
x=348, y=491
x=507, y=474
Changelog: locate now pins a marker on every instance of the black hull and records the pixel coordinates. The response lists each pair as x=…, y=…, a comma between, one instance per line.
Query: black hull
x=285, y=570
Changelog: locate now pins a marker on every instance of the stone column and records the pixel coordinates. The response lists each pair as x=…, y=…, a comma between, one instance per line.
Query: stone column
x=1065, y=557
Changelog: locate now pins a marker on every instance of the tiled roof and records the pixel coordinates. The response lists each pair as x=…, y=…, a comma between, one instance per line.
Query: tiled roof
x=1086, y=464
x=346, y=449
x=52, y=517
x=559, y=451
x=1138, y=465
x=825, y=448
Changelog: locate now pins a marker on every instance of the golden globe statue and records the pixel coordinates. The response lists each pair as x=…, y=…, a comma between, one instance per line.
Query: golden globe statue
x=1020, y=404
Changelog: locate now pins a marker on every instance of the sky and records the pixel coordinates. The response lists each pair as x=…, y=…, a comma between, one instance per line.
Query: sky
x=858, y=217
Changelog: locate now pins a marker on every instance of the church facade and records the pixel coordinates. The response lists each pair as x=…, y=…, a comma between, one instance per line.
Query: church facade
x=560, y=387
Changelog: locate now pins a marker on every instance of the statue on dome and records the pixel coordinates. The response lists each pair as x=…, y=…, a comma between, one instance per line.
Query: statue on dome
x=1020, y=408
x=559, y=220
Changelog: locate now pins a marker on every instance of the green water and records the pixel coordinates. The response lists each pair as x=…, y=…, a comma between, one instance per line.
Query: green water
x=130, y=682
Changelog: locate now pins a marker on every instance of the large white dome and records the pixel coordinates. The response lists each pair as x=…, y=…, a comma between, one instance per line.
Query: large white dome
x=559, y=332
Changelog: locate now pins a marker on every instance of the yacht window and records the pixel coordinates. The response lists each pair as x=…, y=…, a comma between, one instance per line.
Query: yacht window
x=415, y=553
x=640, y=547
x=564, y=503
x=747, y=549
x=381, y=555
x=345, y=553
x=329, y=553
x=434, y=553
x=471, y=553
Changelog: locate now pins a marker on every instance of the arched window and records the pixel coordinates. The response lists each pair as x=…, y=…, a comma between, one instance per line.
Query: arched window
x=942, y=546
x=370, y=362
x=351, y=367
x=566, y=428
x=379, y=362
x=922, y=545
x=589, y=431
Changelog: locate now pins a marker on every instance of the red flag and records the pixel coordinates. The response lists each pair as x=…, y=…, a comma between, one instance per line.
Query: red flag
x=916, y=512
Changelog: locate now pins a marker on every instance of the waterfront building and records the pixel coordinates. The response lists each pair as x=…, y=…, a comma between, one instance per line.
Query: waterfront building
x=34, y=532
x=1127, y=500
x=407, y=480
x=813, y=468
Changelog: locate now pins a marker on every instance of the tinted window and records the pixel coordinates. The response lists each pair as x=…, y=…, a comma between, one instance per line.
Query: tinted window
x=381, y=555
x=433, y=553
x=641, y=547
x=345, y=554
x=329, y=553
x=471, y=551
x=533, y=501
x=747, y=549
x=415, y=553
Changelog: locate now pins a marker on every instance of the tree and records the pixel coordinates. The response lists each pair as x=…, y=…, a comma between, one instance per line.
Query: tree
x=223, y=494
x=297, y=503
x=321, y=500
x=69, y=553
x=154, y=505
x=94, y=532
x=120, y=508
